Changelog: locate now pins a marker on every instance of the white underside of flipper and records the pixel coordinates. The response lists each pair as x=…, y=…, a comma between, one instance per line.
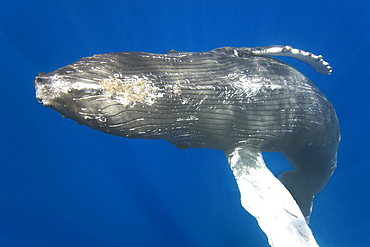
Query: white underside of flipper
x=266, y=198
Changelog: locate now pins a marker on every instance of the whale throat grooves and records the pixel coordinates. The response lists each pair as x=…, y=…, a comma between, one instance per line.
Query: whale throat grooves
x=239, y=100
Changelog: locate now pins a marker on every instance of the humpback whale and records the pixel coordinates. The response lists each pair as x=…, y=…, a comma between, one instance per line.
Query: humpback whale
x=239, y=100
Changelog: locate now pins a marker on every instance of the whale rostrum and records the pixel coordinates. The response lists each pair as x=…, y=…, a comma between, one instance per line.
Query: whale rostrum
x=239, y=100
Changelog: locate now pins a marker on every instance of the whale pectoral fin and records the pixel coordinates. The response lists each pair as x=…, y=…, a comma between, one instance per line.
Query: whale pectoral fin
x=315, y=61
x=266, y=198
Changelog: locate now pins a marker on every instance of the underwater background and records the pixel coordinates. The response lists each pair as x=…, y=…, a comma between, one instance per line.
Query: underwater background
x=62, y=184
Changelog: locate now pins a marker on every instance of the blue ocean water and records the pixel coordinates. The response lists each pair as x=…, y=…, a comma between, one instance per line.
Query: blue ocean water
x=62, y=184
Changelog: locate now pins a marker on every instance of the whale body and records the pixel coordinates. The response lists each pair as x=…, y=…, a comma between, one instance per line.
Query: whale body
x=239, y=100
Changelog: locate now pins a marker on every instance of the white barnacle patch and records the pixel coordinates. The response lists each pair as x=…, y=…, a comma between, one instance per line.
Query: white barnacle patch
x=176, y=90
x=248, y=86
x=190, y=118
x=244, y=85
x=173, y=89
x=131, y=90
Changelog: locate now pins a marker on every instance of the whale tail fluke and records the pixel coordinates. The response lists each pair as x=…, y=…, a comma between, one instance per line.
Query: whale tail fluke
x=304, y=200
